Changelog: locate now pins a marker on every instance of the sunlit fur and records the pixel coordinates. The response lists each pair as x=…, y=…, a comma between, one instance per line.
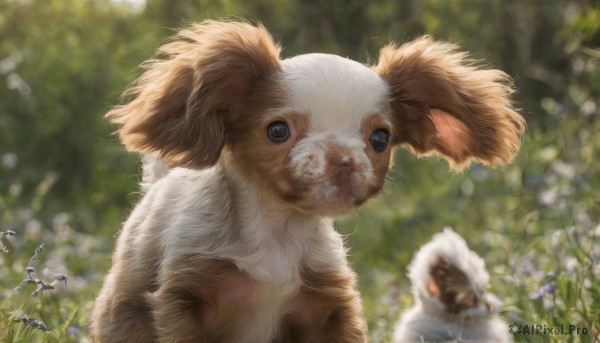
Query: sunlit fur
x=448, y=283
x=474, y=117
x=233, y=240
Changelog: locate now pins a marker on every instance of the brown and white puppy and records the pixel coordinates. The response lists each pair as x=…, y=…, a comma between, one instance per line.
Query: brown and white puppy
x=451, y=304
x=235, y=243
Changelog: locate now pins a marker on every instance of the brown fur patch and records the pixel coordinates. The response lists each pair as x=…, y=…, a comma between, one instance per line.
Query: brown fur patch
x=341, y=164
x=327, y=309
x=380, y=161
x=451, y=286
x=121, y=311
x=203, y=299
x=264, y=162
x=110, y=317
x=425, y=75
x=205, y=77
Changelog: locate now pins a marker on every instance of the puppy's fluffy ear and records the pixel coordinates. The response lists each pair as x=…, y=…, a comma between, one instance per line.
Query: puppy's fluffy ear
x=445, y=103
x=200, y=80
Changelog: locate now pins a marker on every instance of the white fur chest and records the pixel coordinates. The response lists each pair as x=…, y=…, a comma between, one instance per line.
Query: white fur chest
x=233, y=222
x=272, y=247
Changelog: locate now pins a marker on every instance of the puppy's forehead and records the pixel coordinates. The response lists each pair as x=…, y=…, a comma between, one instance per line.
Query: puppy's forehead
x=334, y=91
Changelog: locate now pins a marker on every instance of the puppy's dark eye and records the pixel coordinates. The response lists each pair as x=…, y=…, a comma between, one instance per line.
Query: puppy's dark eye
x=380, y=139
x=278, y=132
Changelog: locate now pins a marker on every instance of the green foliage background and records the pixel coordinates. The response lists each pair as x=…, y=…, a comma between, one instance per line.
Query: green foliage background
x=65, y=181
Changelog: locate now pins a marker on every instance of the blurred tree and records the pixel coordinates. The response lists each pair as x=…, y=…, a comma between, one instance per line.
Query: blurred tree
x=64, y=62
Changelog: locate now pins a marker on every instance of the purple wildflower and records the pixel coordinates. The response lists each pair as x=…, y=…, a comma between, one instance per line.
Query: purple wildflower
x=547, y=288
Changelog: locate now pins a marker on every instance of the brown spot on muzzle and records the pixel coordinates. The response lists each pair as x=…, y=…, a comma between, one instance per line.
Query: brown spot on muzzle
x=339, y=157
x=341, y=165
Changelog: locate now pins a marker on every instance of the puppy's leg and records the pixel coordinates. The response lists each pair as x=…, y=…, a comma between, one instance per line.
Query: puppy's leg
x=121, y=311
x=202, y=300
x=327, y=309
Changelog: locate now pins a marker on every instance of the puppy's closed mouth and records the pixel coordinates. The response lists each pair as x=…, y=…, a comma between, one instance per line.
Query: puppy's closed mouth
x=340, y=190
x=349, y=187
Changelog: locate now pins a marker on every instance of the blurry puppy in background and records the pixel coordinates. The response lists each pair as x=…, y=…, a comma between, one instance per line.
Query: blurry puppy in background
x=448, y=283
x=248, y=159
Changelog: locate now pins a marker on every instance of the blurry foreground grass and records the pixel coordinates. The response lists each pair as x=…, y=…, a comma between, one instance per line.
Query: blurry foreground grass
x=49, y=273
